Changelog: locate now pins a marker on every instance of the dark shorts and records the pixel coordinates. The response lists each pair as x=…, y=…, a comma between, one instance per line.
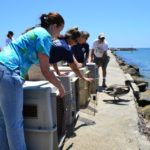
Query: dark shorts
x=102, y=61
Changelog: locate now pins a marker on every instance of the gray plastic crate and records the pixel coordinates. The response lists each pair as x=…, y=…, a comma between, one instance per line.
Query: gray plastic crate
x=94, y=74
x=75, y=99
x=41, y=139
x=75, y=93
x=92, y=67
x=39, y=103
x=83, y=88
x=66, y=80
x=83, y=98
x=69, y=101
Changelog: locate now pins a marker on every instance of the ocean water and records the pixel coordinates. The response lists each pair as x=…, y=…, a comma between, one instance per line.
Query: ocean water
x=139, y=57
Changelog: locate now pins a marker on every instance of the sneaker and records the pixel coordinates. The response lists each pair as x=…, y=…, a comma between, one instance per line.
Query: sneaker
x=104, y=85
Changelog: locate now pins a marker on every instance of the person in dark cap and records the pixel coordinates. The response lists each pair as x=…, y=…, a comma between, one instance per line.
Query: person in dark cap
x=9, y=37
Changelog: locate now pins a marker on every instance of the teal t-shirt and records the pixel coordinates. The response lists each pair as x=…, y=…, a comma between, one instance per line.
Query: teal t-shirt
x=22, y=52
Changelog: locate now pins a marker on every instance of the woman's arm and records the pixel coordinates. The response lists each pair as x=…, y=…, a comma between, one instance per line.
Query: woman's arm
x=79, y=65
x=74, y=68
x=87, y=52
x=91, y=55
x=56, y=68
x=49, y=75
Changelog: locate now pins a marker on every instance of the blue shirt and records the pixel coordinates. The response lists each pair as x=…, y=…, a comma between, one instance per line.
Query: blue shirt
x=79, y=51
x=23, y=52
x=60, y=51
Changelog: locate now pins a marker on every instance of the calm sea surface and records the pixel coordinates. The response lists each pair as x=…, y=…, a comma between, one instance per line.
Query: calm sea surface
x=141, y=58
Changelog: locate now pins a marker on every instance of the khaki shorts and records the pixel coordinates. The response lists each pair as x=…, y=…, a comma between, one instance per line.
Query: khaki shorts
x=102, y=61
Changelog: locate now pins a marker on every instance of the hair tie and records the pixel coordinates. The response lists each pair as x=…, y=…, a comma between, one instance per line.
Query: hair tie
x=45, y=17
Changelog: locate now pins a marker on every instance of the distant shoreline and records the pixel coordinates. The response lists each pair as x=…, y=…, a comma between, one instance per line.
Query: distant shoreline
x=123, y=49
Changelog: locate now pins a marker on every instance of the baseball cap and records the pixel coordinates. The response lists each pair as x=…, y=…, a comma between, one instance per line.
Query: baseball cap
x=101, y=35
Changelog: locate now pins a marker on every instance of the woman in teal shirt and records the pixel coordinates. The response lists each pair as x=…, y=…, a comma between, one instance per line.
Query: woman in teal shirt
x=32, y=47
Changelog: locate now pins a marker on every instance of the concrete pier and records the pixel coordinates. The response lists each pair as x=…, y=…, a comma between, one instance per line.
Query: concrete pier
x=109, y=125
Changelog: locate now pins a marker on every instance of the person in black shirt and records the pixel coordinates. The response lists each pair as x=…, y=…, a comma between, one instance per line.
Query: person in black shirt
x=81, y=49
x=61, y=50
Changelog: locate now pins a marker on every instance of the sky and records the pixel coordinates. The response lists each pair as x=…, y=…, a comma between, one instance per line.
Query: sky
x=126, y=23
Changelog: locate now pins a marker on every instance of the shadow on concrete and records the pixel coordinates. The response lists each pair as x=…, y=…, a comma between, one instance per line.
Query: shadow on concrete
x=90, y=110
x=81, y=125
x=72, y=134
x=70, y=146
x=87, y=122
x=117, y=102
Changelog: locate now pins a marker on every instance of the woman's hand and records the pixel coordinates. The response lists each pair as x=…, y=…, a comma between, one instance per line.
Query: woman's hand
x=61, y=91
x=63, y=74
x=80, y=65
x=49, y=74
x=89, y=79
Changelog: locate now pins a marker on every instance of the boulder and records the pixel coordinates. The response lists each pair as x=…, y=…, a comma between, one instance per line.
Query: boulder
x=145, y=95
x=146, y=112
x=142, y=86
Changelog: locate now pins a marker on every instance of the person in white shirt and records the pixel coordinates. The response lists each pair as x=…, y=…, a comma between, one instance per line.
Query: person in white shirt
x=9, y=37
x=99, y=55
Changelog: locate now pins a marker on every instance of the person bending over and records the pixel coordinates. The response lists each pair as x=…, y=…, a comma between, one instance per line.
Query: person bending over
x=61, y=51
x=81, y=49
x=32, y=47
